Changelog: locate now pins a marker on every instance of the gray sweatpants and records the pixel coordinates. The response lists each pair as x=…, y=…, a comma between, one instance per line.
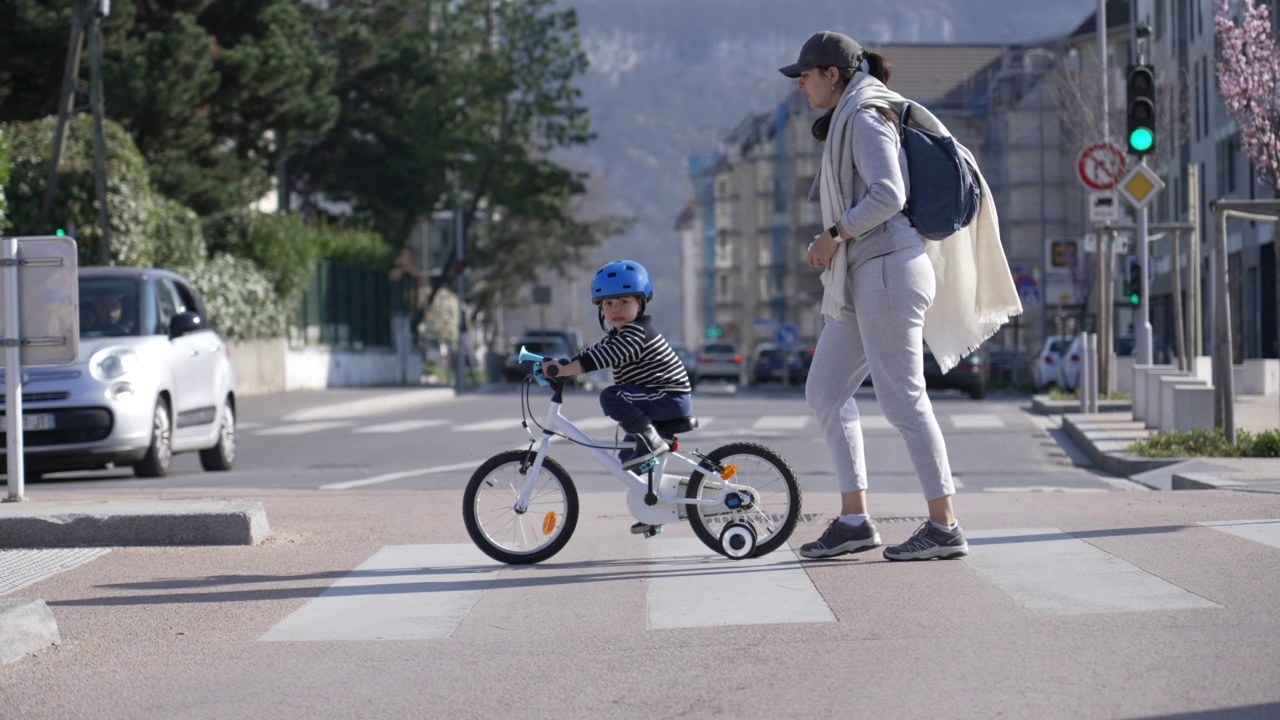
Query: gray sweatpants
x=881, y=335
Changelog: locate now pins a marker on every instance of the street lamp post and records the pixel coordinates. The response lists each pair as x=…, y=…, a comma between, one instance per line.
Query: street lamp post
x=460, y=375
x=460, y=266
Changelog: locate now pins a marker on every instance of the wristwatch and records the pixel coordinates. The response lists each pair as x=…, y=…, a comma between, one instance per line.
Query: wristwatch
x=834, y=231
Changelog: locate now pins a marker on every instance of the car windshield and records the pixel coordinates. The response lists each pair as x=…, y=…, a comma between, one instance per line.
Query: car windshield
x=545, y=346
x=108, y=307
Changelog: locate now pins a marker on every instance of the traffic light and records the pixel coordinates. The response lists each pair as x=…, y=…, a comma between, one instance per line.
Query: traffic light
x=1140, y=108
x=1134, y=285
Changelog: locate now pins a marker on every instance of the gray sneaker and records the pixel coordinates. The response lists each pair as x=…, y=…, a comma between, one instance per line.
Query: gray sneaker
x=928, y=543
x=840, y=538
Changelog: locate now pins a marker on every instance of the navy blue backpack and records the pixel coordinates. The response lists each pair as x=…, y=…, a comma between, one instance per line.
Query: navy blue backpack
x=945, y=190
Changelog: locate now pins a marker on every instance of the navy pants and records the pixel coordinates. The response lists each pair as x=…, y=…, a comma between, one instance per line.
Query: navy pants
x=635, y=406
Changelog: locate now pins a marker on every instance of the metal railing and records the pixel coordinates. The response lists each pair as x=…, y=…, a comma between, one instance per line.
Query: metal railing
x=349, y=306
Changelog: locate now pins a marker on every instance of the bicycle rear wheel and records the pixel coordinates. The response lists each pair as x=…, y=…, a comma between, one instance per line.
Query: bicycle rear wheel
x=775, y=504
x=515, y=538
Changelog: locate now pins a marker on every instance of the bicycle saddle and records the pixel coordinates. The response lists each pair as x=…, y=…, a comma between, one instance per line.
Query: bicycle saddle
x=671, y=428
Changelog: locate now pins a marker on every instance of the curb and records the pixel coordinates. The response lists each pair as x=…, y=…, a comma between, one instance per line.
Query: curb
x=26, y=627
x=1106, y=446
x=107, y=523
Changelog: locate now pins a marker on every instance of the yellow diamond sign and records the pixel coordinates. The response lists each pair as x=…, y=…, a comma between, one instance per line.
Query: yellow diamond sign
x=1140, y=186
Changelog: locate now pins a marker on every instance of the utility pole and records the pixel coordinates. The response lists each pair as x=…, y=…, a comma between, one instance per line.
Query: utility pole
x=66, y=106
x=99, y=141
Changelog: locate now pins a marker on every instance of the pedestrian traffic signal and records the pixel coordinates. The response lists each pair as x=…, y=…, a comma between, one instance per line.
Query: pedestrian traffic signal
x=1134, y=286
x=1140, y=108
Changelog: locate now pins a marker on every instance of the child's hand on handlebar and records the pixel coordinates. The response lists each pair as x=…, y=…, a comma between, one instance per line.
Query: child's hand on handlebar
x=559, y=368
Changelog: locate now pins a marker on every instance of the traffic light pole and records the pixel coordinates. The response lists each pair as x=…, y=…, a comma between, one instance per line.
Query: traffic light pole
x=1142, y=327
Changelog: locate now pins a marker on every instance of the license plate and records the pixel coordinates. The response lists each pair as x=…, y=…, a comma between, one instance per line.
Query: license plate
x=37, y=421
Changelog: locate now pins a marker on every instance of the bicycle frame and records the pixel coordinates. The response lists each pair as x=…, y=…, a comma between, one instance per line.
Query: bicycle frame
x=557, y=423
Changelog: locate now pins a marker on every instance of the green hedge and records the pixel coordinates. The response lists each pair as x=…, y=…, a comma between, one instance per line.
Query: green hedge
x=240, y=297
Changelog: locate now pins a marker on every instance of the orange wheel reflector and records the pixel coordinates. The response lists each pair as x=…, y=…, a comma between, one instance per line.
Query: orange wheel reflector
x=549, y=523
x=729, y=471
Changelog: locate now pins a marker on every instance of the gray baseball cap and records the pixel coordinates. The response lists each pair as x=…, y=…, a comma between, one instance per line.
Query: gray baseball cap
x=826, y=49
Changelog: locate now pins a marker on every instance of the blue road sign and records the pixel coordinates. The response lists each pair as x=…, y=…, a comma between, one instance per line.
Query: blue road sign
x=787, y=335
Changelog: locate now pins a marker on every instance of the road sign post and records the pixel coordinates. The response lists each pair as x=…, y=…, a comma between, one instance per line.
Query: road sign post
x=40, y=292
x=1139, y=187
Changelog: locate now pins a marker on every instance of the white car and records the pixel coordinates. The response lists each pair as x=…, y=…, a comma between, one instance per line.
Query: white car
x=152, y=378
x=1069, y=366
x=1046, y=365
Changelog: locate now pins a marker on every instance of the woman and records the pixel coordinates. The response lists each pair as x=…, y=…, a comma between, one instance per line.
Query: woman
x=879, y=283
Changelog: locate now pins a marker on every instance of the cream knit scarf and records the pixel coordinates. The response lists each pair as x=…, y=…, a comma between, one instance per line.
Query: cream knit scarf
x=975, y=290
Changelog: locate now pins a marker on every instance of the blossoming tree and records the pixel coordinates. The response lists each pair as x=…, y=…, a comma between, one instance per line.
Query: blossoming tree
x=1249, y=80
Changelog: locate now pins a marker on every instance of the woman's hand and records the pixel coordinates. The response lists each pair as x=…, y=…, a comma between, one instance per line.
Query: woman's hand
x=822, y=250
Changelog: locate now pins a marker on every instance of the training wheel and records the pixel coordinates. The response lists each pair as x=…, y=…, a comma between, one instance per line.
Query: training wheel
x=737, y=540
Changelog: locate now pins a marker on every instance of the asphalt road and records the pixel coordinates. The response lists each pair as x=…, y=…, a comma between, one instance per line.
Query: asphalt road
x=1083, y=596
x=290, y=441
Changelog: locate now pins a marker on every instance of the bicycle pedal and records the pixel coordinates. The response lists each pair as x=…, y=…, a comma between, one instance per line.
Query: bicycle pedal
x=646, y=466
x=653, y=530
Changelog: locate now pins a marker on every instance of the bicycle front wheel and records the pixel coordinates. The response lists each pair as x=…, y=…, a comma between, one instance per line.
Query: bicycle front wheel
x=519, y=538
x=774, y=508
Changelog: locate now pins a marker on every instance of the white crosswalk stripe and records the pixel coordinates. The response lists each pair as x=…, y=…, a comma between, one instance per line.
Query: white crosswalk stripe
x=974, y=422
x=303, y=428
x=500, y=424
x=718, y=591
x=399, y=427
x=781, y=422
x=769, y=425
x=403, y=592
x=1266, y=532
x=428, y=591
x=1048, y=571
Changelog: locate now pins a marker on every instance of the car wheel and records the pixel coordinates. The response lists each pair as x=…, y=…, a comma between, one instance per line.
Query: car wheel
x=160, y=455
x=222, y=456
x=978, y=392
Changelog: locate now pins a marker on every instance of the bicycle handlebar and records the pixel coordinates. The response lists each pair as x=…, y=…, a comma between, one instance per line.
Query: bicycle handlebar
x=537, y=360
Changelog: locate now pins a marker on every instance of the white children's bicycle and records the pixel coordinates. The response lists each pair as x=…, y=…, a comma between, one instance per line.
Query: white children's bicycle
x=520, y=507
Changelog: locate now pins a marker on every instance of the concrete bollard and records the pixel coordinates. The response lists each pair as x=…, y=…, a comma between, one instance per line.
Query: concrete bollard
x=1192, y=408
x=1169, y=384
x=1259, y=377
x=1144, y=386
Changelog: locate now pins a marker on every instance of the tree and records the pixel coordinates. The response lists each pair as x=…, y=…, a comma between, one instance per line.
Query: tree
x=213, y=93
x=1248, y=66
x=448, y=103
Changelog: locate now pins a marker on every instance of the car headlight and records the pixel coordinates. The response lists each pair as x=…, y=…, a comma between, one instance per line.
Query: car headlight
x=112, y=363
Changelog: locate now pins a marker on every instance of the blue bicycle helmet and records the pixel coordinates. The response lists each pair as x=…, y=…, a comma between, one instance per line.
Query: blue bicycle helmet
x=621, y=278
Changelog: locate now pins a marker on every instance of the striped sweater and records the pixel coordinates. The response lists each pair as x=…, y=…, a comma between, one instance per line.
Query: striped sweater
x=639, y=355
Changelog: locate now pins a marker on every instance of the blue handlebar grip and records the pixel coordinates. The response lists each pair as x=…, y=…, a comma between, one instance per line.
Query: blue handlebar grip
x=526, y=356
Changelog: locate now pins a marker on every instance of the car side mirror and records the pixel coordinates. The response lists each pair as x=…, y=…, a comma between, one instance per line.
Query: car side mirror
x=184, y=323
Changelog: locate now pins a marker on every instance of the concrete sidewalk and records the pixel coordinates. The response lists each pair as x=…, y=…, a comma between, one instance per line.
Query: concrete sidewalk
x=1106, y=436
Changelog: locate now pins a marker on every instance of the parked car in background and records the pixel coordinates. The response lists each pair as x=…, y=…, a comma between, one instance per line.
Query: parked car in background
x=1044, y=370
x=151, y=379
x=720, y=360
x=571, y=336
x=1069, y=366
x=545, y=345
x=690, y=360
x=969, y=375
x=766, y=365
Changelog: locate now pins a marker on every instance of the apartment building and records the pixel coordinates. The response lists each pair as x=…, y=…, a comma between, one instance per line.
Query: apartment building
x=1026, y=111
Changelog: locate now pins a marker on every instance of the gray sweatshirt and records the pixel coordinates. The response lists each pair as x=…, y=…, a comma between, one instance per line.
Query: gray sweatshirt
x=878, y=176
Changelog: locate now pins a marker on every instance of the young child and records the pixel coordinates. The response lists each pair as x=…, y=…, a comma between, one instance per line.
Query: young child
x=649, y=380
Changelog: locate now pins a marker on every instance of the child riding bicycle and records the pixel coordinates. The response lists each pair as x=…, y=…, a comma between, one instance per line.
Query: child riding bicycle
x=650, y=380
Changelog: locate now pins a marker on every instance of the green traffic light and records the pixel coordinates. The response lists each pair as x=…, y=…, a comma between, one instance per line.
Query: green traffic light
x=60, y=232
x=1134, y=298
x=1140, y=139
